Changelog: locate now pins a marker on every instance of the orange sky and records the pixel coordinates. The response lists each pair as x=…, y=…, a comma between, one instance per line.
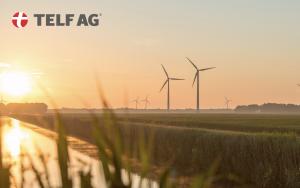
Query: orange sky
x=254, y=45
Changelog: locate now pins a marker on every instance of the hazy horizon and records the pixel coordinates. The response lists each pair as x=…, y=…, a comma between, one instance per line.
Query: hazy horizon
x=253, y=44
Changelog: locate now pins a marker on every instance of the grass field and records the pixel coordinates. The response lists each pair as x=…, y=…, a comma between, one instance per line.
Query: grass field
x=232, y=122
x=261, y=150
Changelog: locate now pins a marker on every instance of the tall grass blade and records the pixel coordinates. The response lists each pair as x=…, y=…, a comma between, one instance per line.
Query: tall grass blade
x=85, y=179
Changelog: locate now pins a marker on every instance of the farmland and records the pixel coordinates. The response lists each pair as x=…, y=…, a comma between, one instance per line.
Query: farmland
x=259, y=149
x=231, y=122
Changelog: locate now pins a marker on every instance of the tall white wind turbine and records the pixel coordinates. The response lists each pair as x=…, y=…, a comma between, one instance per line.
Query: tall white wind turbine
x=167, y=82
x=197, y=75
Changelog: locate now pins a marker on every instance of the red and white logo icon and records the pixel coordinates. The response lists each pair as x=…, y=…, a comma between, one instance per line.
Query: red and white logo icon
x=20, y=19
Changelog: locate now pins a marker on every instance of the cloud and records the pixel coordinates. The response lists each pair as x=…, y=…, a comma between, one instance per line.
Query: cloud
x=4, y=65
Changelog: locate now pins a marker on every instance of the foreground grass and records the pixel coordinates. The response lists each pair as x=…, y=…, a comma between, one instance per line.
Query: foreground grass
x=108, y=137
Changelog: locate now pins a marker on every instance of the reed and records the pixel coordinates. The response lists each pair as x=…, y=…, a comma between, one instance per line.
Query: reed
x=107, y=136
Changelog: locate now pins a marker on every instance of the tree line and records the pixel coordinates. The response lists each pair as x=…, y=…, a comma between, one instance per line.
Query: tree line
x=269, y=107
x=23, y=108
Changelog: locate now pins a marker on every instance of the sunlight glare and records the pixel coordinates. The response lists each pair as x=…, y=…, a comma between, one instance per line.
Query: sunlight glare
x=16, y=83
x=13, y=139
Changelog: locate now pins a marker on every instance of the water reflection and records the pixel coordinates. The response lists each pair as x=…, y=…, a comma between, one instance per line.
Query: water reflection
x=13, y=137
x=20, y=141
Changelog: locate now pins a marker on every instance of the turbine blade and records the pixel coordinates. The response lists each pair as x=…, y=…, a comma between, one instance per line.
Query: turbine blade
x=207, y=69
x=176, y=79
x=165, y=71
x=192, y=63
x=195, y=77
x=163, y=85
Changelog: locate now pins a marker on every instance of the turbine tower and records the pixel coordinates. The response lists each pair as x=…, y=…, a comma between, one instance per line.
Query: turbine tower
x=227, y=101
x=146, y=101
x=197, y=75
x=168, y=83
x=136, y=101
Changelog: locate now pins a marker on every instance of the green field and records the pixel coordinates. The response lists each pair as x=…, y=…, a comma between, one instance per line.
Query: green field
x=261, y=150
x=231, y=122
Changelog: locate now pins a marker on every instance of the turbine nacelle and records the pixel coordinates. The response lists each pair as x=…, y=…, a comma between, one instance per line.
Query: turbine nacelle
x=168, y=78
x=197, y=69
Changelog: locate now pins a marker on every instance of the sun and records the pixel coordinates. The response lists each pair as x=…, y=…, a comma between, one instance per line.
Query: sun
x=16, y=83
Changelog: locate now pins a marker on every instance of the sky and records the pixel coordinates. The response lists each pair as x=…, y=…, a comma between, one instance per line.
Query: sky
x=253, y=43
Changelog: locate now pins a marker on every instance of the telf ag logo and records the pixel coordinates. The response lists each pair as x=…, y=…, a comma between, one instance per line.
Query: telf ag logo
x=19, y=19
x=67, y=19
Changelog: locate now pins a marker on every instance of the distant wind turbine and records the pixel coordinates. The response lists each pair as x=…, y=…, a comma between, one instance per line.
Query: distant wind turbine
x=136, y=101
x=197, y=75
x=146, y=101
x=227, y=101
x=167, y=82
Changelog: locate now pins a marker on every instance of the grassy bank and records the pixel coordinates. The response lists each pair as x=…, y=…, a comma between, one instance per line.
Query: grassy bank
x=262, y=159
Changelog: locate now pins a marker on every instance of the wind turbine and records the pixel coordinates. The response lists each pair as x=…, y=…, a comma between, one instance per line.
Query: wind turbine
x=227, y=101
x=146, y=101
x=136, y=101
x=168, y=83
x=197, y=75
